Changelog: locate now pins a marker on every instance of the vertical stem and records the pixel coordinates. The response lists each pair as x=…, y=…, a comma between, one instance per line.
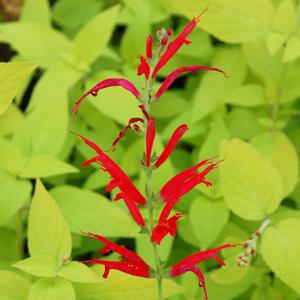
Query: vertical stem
x=150, y=198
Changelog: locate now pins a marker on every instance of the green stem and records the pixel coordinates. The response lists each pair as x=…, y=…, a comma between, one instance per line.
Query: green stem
x=150, y=195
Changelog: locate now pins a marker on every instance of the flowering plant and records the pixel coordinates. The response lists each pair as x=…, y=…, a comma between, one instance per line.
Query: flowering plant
x=157, y=56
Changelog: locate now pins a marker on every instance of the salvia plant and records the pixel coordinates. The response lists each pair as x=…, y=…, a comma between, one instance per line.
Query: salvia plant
x=157, y=56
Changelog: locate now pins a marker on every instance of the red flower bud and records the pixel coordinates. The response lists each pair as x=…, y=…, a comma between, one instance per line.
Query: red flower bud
x=149, y=46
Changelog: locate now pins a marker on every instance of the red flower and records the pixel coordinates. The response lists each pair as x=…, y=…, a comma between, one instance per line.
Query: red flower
x=176, y=45
x=188, y=264
x=132, y=207
x=122, y=133
x=126, y=84
x=171, y=77
x=143, y=67
x=164, y=227
x=132, y=264
x=183, y=182
x=150, y=135
x=149, y=43
x=130, y=193
x=176, y=136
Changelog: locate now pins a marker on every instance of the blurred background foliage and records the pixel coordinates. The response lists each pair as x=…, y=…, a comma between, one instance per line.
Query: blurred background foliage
x=56, y=50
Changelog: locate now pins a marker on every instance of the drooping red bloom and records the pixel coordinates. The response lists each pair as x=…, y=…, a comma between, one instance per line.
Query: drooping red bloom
x=149, y=43
x=143, y=67
x=172, y=76
x=150, y=135
x=175, y=45
x=132, y=264
x=164, y=227
x=119, y=179
x=176, y=136
x=188, y=264
x=132, y=121
x=110, y=82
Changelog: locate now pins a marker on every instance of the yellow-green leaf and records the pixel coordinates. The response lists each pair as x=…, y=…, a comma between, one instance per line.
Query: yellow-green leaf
x=39, y=265
x=280, y=248
x=12, y=76
x=282, y=153
x=251, y=186
x=52, y=289
x=48, y=233
x=93, y=37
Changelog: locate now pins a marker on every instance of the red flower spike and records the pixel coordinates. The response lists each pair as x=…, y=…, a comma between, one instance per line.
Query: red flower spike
x=188, y=264
x=133, y=264
x=149, y=43
x=193, y=69
x=123, y=132
x=176, y=136
x=110, y=82
x=120, y=178
x=165, y=227
x=175, y=45
x=143, y=67
x=150, y=135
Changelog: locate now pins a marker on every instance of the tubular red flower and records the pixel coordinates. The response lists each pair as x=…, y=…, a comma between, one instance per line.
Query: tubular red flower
x=133, y=264
x=165, y=227
x=120, y=179
x=133, y=209
x=185, y=181
x=188, y=264
x=176, y=45
x=150, y=135
x=110, y=82
x=171, y=77
x=149, y=43
x=176, y=136
x=122, y=133
x=143, y=67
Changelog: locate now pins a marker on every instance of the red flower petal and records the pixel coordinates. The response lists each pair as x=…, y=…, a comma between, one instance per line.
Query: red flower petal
x=110, y=82
x=204, y=255
x=176, y=136
x=188, y=268
x=150, y=135
x=143, y=67
x=124, y=183
x=175, y=45
x=149, y=43
x=123, y=266
x=165, y=227
x=188, y=264
x=133, y=209
x=126, y=253
x=185, y=180
x=171, y=77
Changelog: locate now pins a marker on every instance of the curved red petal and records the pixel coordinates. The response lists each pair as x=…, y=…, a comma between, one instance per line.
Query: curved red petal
x=143, y=67
x=172, y=76
x=110, y=82
x=149, y=43
x=176, y=136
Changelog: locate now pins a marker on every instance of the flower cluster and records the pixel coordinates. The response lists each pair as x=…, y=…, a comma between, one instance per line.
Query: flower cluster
x=149, y=65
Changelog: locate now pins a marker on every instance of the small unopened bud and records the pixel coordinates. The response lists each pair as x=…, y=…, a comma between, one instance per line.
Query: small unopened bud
x=253, y=251
x=246, y=245
x=258, y=233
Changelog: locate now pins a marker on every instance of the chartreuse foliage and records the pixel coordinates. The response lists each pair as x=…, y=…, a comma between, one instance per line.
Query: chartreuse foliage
x=250, y=120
